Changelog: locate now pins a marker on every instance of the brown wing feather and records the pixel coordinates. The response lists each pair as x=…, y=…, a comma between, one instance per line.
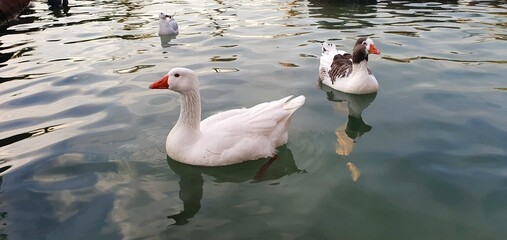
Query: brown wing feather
x=341, y=66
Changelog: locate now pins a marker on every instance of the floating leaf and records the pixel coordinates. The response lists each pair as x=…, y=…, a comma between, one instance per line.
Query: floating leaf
x=225, y=70
x=288, y=64
x=223, y=59
x=133, y=69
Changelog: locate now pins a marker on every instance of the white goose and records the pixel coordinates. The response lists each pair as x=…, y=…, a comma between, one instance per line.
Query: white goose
x=347, y=72
x=167, y=25
x=228, y=137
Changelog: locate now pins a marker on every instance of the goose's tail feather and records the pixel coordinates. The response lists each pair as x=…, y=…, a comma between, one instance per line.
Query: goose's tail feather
x=295, y=103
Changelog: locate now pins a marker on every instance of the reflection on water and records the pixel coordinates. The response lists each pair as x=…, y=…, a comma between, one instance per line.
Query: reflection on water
x=59, y=8
x=7, y=164
x=432, y=163
x=340, y=15
x=352, y=105
x=347, y=134
x=165, y=40
x=354, y=171
x=191, y=178
x=33, y=133
x=410, y=59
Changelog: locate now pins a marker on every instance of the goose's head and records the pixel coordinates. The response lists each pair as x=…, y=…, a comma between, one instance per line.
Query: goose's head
x=179, y=80
x=367, y=45
x=165, y=16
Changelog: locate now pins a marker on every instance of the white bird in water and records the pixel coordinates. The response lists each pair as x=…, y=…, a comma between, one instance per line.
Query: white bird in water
x=167, y=25
x=228, y=137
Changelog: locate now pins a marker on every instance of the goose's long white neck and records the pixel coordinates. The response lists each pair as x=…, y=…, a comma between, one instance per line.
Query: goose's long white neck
x=363, y=65
x=190, y=112
x=359, y=69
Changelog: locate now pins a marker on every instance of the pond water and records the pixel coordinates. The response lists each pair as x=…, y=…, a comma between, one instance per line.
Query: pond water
x=82, y=137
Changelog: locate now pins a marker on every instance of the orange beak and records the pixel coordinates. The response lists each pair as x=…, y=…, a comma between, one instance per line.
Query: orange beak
x=163, y=83
x=373, y=49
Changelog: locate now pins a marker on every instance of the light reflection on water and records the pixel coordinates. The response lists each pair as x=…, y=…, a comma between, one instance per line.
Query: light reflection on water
x=81, y=140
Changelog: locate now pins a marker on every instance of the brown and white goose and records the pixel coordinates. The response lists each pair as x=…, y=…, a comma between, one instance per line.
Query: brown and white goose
x=347, y=72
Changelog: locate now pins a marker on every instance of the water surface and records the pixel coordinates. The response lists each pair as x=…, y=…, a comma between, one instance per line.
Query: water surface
x=82, y=138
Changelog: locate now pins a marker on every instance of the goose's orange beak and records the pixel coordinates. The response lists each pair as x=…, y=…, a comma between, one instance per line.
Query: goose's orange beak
x=163, y=83
x=373, y=49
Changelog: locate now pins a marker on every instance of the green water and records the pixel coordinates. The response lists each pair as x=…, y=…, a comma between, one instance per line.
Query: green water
x=82, y=137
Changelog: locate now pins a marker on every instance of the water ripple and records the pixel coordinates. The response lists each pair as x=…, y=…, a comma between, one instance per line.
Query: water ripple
x=82, y=137
x=33, y=133
x=408, y=60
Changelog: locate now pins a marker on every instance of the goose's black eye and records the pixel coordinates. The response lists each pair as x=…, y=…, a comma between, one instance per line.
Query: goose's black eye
x=177, y=75
x=364, y=43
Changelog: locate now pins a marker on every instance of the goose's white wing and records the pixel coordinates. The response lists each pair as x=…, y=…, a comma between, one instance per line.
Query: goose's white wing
x=174, y=25
x=328, y=52
x=260, y=119
x=212, y=120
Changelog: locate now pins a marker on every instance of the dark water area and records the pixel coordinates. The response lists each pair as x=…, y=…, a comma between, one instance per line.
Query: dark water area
x=82, y=137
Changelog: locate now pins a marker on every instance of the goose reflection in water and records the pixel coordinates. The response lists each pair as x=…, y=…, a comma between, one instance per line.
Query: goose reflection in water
x=60, y=8
x=192, y=182
x=347, y=134
x=165, y=41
